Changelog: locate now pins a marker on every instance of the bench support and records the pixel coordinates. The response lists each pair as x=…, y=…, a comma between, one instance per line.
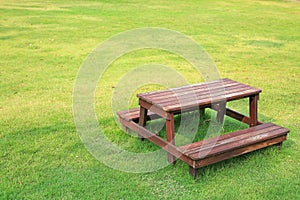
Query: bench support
x=253, y=110
x=170, y=136
x=143, y=119
x=193, y=172
x=279, y=145
x=221, y=112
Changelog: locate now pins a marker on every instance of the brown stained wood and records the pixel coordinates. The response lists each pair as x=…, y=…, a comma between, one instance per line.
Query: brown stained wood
x=238, y=116
x=227, y=153
x=193, y=172
x=221, y=112
x=209, y=141
x=154, y=108
x=279, y=145
x=170, y=136
x=230, y=146
x=191, y=91
x=143, y=116
x=188, y=96
x=209, y=101
x=194, y=86
x=237, y=152
x=134, y=114
x=253, y=109
x=169, y=147
x=201, y=87
x=238, y=140
x=196, y=94
x=215, y=94
x=142, y=119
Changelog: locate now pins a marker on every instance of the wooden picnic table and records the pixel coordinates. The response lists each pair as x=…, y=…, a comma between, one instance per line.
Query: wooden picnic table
x=214, y=95
x=166, y=103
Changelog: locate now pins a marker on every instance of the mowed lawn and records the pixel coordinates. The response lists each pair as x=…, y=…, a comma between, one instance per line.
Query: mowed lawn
x=44, y=43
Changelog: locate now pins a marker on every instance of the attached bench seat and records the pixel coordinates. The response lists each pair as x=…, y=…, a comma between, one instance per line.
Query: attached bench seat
x=133, y=114
x=226, y=146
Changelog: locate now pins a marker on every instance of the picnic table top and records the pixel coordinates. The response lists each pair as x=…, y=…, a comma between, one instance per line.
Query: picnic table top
x=200, y=94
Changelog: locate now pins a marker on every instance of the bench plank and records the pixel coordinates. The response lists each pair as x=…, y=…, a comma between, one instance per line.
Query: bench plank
x=133, y=114
x=236, y=144
x=237, y=152
x=232, y=144
x=209, y=141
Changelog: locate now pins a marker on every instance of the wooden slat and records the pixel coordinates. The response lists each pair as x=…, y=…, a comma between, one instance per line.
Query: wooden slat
x=209, y=101
x=238, y=116
x=198, y=94
x=231, y=141
x=209, y=141
x=154, y=108
x=189, y=91
x=133, y=114
x=229, y=146
x=237, y=152
x=169, y=147
x=201, y=97
x=187, y=87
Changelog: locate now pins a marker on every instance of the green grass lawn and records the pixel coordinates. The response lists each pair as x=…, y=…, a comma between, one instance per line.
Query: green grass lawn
x=44, y=43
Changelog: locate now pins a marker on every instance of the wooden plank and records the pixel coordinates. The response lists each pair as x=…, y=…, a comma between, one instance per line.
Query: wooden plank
x=133, y=114
x=142, y=119
x=169, y=147
x=143, y=116
x=193, y=172
x=230, y=146
x=170, y=136
x=154, y=108
x=223, y=137
x=234, y=139
x=194, y=96
x=239, y=151
x=192, y=91
x=253, y=109
x=238, y=116
x=194, y=86
x=209, y=101
x=191, y=95
x=221, y=112
x=173, y=94
x=171, y=101
x=202, y=87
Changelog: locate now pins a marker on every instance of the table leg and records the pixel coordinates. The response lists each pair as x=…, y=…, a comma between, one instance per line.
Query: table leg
x=193, y=172
x=221, y=112
x=143, y=118
x=170, y=136
x=253, y=109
